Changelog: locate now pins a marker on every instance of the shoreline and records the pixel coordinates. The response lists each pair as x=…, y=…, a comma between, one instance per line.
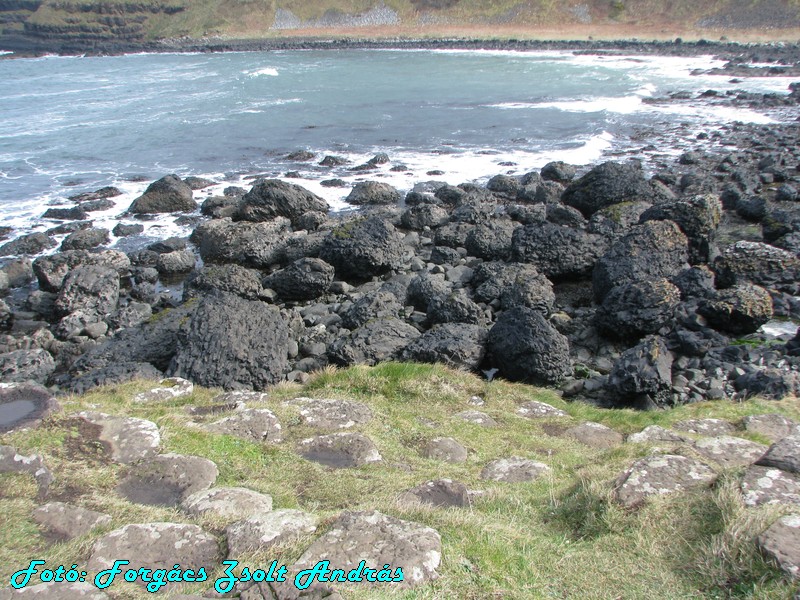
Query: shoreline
x=23, y=47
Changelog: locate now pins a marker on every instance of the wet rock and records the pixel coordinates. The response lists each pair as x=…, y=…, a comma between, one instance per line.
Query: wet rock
x=227, y=503
x=167, y=479
x=198, y=183
x=772, y=426
x=661, y=474
x=232, y=343
x=526, y=347
x=74, y=213
x=513, y=470
x=729, y=452
x=24, y=405
x=156, y=546
x=363, y=248
x=253, y=424
x=168, y=194
x=29, y=244
x=331, y=414
x=376, y=341
x=556, y=251
x=68, y=522
x=739, y=310
x=764, y=485
x=175, y=263
x=633, y=310
x=440, y=492
x=34, y=365
x=459, y=345
x=126, y=440
x=781, y=543
x=595, y=435
x=698, y=218
x=373, y=193
x=264, y=530
x=642, y=376
x=783, y=454
x=445, y=449
x=340, y=450
x=257, y=245
x=12, y=461
x=85, y=239
x=653, y=250
x=538, y=410
x=304, y=279
x=607, y=184
x=558, y=171
x=270, y=198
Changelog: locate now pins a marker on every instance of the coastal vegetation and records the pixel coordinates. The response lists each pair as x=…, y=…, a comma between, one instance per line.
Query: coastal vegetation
x=562, y=535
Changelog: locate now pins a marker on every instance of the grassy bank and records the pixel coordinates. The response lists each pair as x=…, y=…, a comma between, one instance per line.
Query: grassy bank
x=562, y=536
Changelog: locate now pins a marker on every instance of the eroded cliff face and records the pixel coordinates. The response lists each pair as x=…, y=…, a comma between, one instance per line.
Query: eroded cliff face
x=86, y=25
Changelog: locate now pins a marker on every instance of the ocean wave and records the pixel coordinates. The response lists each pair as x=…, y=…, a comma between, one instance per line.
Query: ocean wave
x=267, y=71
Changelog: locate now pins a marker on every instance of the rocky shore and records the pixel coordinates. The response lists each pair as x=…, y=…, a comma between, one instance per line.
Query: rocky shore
x=620, y=286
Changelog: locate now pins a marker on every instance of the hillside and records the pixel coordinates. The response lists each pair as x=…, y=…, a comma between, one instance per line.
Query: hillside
x=98, y=24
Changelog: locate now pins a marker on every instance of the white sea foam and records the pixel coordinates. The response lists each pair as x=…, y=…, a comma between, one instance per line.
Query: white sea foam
x=268, y=71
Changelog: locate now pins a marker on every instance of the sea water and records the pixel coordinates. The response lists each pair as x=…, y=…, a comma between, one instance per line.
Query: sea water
x=74, y=124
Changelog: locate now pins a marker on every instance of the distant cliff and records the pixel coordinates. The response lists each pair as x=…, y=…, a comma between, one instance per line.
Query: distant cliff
x=99, y=24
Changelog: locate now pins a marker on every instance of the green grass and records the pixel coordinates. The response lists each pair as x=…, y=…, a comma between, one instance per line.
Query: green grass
x=562, y=536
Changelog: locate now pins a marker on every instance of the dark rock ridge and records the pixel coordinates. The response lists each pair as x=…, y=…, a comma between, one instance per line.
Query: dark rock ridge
x=623, y=289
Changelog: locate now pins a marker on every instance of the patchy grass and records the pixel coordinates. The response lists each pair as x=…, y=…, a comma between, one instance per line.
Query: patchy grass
x=562, y=536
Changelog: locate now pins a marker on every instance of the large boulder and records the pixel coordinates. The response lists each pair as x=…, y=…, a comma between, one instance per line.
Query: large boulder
x=491, y=240
x=642, y=376
x=31, y=243
x=373, y=193
x=257, y=245
x=459, y=345
x=19, y=366
x=51, y=270
x=377, y=304
x=270, y=198
x=650, y=251
x=633, y=310
x=739, y=310
x=376, y=341
x=607, y=184
x=84, y=239
x=168, y=194
x=455, y=308
x=758, y=263
x=89, y=288
x=424, y=288
x=557, y=251
x=304, y=279
x=363, y=248
x=238, y=280
x=513, y=284
x=424, y=215
x=697, y=216
x=232, y=343
x=526, y=347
